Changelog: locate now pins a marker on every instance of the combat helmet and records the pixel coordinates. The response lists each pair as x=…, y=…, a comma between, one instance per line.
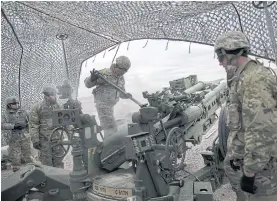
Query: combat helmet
x=123, y=62
x=232, y=41
x=11, y=100
x=49, y=91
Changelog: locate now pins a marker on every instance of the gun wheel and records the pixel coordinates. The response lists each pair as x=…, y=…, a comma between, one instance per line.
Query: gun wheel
x=176, y=149
x=60, y=142
x=223, y=131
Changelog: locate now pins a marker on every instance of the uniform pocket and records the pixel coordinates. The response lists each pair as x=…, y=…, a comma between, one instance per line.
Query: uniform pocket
x=233, y=117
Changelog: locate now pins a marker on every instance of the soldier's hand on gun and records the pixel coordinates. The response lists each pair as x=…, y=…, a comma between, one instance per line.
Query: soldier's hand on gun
x=93, y=75
x=235, y=164
x=20, y=125
x=37, y=145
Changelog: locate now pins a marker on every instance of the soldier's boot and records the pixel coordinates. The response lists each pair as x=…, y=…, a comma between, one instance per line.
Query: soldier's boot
x=61, y=165
x=58, y=165
x=241, y=196
x=15, y=168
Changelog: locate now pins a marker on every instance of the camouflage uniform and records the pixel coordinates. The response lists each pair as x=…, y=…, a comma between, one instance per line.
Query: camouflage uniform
x=252, y=120
x=18, y=137
x=40, y=125
x=105, y=96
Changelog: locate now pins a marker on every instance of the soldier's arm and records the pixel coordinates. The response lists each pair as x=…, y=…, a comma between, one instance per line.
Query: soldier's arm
x=122, y=86
x=89, y=83
x=34, y=123
x=257, y=116
x=5, y=125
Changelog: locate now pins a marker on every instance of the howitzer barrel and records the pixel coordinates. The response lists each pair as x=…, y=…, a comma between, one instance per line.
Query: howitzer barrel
x=215, y=92
x=194, y=112
x=199, y=86
x=173, y=122
x=163, y=147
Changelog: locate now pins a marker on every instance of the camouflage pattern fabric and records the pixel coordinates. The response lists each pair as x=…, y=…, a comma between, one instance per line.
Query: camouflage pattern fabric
x=49, y=91
x=123, y=62
x=106, y=97
x=104, y=91
x=106, y=118
x=40, y=125
x=253, y=124
x=231, y=41
x=18, y=139
x=46, y=154
x=20, y=151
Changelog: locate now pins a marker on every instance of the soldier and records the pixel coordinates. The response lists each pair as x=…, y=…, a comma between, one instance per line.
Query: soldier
x=15, y=119
x=65, y=91
x=251, y=163
x=105, y=96
x=40, y=125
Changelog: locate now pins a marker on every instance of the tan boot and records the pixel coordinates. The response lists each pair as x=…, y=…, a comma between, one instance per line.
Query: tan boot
x=15, y=168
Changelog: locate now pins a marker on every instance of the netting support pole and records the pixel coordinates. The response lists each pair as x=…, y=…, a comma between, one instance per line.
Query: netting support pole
x=20, y=60
x=65, y=61
x=238, y=17
x=63, y=37
x=115, y=54
x=270, y=29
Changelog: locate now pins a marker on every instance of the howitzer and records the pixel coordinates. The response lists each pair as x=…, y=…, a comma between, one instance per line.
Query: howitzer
x=71, y=115
x=154, y=145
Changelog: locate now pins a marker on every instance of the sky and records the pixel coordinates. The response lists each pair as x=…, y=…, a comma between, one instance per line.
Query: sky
x=154, y=65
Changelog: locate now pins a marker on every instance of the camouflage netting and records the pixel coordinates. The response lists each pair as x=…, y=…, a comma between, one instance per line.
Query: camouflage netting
x=33, y=56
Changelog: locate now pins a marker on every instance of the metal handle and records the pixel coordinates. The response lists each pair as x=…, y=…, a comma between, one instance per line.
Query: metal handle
x=117, y=88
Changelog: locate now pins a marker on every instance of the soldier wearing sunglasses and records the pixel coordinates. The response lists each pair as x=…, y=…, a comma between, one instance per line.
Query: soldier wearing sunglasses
x=251, y=160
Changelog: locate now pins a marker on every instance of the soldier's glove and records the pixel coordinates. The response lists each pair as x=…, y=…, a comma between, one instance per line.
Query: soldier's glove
x=93, y=75
x=19, y=126
x=233, y=166
x=37, y=145
x=126, y=96
x=247, y=184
